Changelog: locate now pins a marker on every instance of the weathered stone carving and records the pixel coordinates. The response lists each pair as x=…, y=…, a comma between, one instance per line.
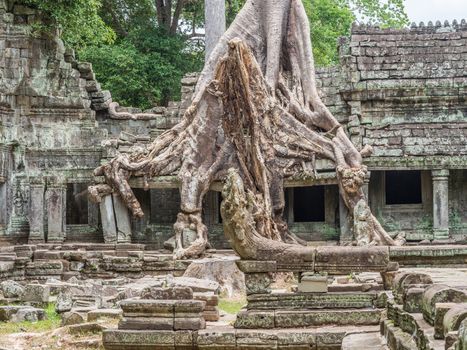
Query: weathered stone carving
x=256, y=108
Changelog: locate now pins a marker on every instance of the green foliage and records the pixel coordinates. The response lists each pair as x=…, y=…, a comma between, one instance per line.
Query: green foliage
x=79, y=20
x=331, y=19
x=53, y=321
x=143, y=69
x=231, y=306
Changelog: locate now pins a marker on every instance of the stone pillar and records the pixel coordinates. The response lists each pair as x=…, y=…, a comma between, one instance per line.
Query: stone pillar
x=36, y=212
x=109, y=225
x=122, y=216
x=116, y=224
x=345, y=224
x=214, y=19
x=56, y=212
x=440, y=204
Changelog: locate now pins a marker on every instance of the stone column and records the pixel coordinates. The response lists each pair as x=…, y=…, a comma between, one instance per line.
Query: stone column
x=440, y=204
x=214, y=19
x=116, y=224
x=56, y=212
x=109, y=225
x=122, y=216
x=344, y=223
x=36, y=212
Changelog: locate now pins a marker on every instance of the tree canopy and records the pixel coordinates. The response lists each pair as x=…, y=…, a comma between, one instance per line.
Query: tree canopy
x=140, y=49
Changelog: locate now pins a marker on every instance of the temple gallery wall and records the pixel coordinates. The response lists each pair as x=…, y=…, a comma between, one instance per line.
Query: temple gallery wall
x=401, y=91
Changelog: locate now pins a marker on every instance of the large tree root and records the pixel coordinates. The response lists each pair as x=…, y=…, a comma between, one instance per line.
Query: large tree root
x=256, y=109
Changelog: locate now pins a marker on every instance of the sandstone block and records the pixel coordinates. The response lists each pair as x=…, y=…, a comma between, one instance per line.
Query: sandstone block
x=454, y=317
x=146, y=323
x=189, y=323
x=36, y=293
x=251, y=319
x=258, y=283
x=11, y=289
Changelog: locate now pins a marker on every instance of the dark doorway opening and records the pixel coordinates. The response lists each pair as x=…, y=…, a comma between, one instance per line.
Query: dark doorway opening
x=403, y=187
x=308, y=204
x=77, y=204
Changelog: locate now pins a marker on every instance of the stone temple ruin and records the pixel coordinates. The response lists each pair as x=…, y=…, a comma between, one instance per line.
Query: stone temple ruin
x=402, y=92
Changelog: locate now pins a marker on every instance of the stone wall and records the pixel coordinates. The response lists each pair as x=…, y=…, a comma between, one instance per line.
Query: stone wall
x=48, y=131
x=401, y=91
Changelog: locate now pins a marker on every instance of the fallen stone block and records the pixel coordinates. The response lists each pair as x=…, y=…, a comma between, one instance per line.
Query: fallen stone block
x=96, y=315
x=439, y=293
x=12, y=289
x=36, y=293
x=196, y=284
x=454, y=317
x=72, y=318
x=90, y=327
x=175, y=293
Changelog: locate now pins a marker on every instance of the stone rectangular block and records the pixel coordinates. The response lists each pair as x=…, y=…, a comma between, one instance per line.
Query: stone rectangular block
x=189, y=323
x=146, y=323
x=251, y=319
x=313, y=284
x=36, y=293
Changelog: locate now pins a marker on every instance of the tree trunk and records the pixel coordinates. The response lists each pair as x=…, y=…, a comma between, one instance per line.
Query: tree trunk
x=214, y=19
x=256, y=109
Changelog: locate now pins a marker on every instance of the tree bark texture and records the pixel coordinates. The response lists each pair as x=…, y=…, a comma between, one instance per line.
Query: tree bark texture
x=214, y=19
x=256, y=109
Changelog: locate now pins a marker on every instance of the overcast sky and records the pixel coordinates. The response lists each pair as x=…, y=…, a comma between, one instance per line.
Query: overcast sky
x=433, y=10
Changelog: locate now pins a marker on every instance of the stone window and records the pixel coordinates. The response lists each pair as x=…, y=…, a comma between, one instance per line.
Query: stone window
x=77, y=204
x=403, y=187
x=308, y=204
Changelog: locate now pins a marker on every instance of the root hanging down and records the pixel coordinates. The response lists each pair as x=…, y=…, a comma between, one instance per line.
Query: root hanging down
x=256, y=109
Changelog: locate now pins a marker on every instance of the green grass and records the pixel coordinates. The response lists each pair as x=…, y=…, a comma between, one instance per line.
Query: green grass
x=52, y=322
x=231, y=306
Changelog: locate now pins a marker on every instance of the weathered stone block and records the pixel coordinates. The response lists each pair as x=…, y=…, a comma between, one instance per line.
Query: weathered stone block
x=439, y=293
x=257, y=283
x=249, y=266
x=413, y=299
x=189, y=323
x=146, y=323
x=36, y=293
x=218, y=338
x=175, y=293
x=311, y=318
x=313, y=284
x=454, y=317
x=250, y=319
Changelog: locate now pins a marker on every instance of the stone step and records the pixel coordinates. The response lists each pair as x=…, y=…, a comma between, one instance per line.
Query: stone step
x=364, y=341
x=252, y=319
x=300, y=301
